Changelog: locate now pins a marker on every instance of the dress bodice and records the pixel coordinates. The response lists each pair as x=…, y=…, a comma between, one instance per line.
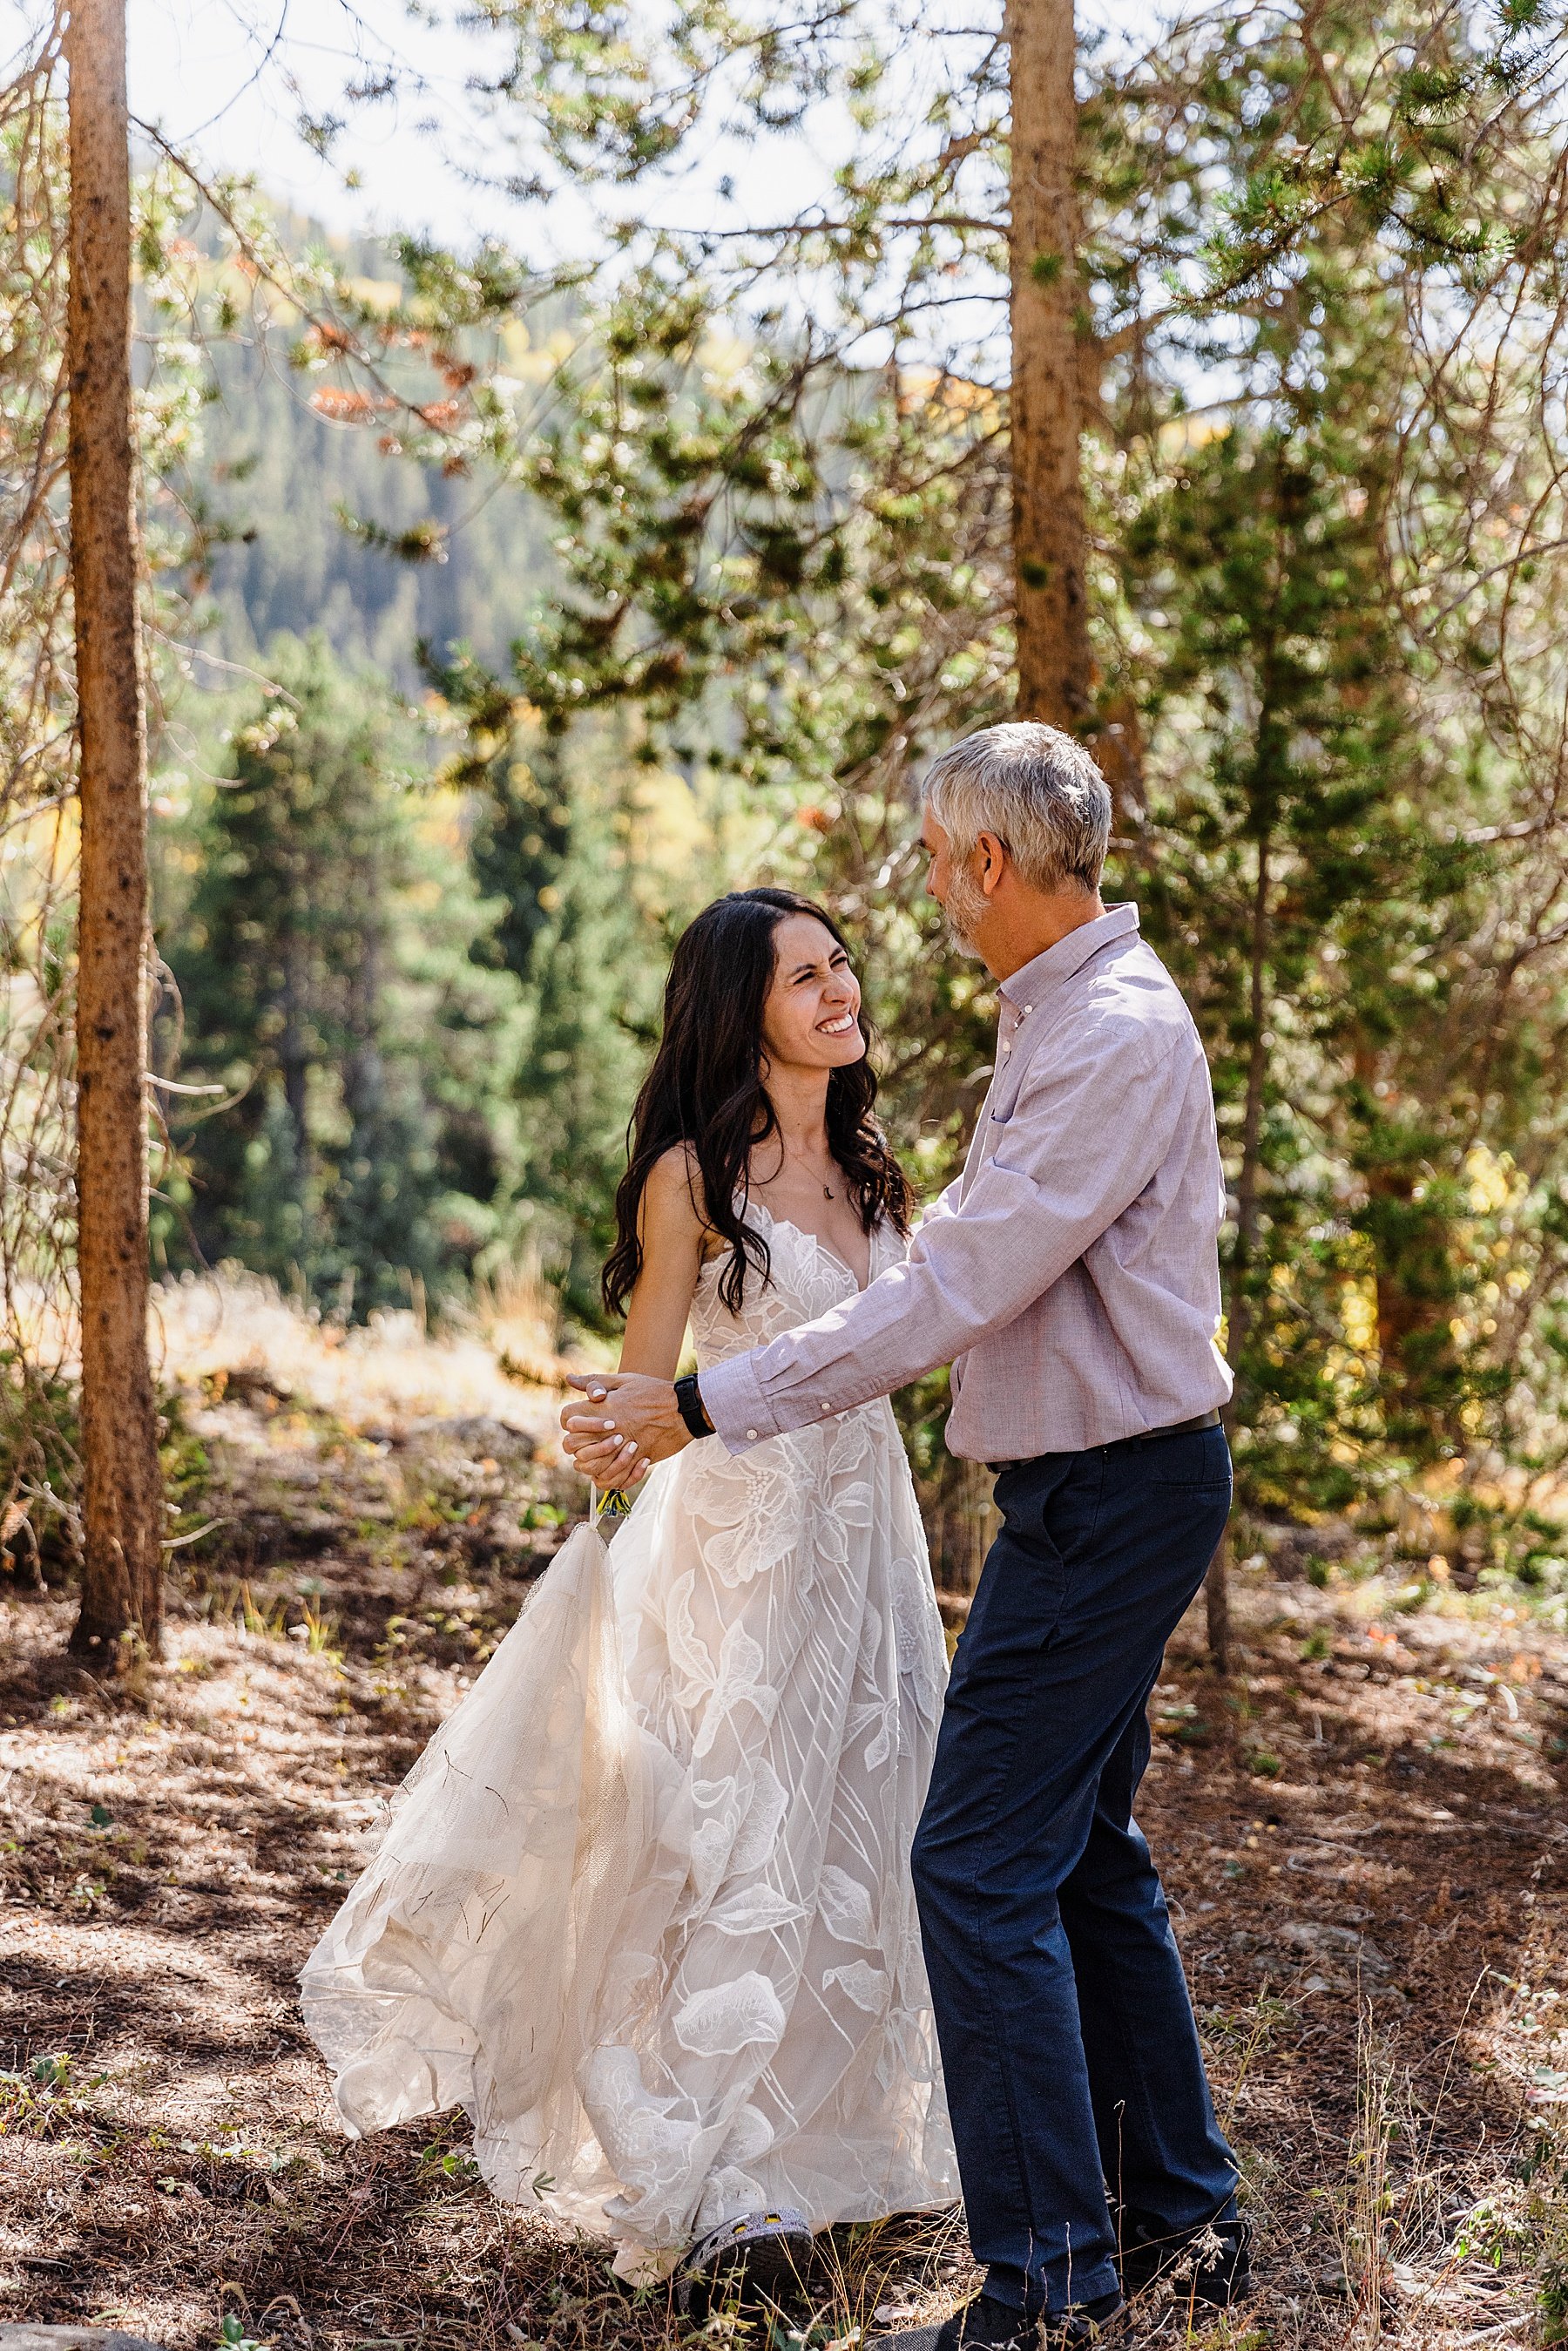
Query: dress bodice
x=805, y=1279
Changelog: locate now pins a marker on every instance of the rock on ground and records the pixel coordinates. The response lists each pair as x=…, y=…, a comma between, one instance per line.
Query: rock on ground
x=72, y=2338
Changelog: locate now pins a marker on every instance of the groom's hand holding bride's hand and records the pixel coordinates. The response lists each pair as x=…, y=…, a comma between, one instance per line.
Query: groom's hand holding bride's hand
x=637, y=1424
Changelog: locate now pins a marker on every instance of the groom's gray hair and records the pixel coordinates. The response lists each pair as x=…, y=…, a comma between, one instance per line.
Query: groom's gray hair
x=1034, y=787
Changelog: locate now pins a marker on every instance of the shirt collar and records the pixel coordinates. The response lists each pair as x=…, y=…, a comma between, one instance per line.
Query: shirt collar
x=1036, y=979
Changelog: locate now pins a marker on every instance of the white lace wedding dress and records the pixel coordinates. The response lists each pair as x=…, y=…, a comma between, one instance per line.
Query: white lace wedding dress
x=643, y=1906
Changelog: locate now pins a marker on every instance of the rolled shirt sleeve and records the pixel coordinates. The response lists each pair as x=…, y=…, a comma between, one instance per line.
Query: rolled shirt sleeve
x=1086, y=1134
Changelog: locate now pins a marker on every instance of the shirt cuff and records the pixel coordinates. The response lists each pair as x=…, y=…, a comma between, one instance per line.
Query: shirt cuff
x=732, y=1398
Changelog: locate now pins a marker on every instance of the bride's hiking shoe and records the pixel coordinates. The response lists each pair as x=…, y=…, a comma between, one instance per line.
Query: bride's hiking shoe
x=987, y=2324
x=1211, y=2263
x=761, y=2253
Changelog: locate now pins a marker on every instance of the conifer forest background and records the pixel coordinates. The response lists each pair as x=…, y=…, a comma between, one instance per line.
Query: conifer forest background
x=502, y=614
x=501, y=603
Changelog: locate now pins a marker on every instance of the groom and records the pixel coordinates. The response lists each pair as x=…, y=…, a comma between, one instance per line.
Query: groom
x=1071, y=1276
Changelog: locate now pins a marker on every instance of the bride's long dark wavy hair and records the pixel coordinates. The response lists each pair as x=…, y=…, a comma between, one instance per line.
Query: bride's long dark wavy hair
x=705, y=1090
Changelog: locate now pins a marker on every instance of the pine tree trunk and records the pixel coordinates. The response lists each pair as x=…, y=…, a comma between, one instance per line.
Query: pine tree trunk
x=122, y=1501
x=1055, y=667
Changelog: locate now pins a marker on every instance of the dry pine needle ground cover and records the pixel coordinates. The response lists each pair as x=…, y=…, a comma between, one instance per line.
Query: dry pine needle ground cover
x=1363, y=1834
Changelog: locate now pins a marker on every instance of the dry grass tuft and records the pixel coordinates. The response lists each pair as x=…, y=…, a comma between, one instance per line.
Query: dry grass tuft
x=391, y=1370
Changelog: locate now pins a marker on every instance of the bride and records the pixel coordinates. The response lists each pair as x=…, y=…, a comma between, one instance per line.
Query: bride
x=643, y=1906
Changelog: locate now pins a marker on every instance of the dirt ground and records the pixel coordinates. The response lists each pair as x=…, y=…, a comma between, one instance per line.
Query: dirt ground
x=1361, y=1832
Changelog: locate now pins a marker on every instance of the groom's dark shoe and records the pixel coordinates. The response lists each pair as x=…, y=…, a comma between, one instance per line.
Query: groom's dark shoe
x=986, y=2324
x=1211, y=2264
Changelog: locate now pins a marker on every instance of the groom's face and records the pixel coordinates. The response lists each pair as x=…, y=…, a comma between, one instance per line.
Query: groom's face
x=955, y=889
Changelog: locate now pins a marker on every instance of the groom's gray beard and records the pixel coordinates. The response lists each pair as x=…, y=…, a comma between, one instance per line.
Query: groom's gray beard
x=964, y=911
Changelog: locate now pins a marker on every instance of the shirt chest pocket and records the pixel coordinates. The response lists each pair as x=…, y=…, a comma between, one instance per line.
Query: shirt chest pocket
x=1003, y=1099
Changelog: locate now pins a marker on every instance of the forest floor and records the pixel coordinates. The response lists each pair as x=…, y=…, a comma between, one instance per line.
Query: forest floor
x=1362, y=1832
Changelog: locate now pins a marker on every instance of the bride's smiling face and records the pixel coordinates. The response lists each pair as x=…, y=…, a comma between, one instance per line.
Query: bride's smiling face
x=811, y=1018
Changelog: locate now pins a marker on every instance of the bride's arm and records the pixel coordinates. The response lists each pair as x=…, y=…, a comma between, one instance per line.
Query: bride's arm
x=673, y=1234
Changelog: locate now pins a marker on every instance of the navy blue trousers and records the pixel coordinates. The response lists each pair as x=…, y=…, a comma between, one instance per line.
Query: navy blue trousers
x=1067, y=2035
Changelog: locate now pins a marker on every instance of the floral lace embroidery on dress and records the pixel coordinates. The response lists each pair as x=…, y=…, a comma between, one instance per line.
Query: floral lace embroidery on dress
x=643, y=1906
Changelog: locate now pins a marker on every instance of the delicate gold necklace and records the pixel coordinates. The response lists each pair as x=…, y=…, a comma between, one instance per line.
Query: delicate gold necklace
x=827, y=1191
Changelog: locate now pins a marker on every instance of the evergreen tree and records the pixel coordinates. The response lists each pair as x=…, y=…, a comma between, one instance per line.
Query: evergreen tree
x=595, y=972
x=1260, y=858
x=582, y=921
x=1321, y=859
x=322, y=967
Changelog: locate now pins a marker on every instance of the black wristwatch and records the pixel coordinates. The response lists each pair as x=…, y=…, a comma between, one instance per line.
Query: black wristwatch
x=690, y=1405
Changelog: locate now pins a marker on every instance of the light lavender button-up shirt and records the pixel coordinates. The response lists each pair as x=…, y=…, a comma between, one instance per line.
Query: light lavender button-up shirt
x=1071, y=1275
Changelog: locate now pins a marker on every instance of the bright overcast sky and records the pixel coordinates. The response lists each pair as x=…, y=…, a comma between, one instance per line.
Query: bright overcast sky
x=227, y=79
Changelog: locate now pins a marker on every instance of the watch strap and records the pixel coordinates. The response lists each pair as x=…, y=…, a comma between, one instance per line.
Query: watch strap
x=690, y=1405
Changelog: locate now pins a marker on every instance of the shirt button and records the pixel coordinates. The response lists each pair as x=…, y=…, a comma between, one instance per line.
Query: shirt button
x=751, y=1436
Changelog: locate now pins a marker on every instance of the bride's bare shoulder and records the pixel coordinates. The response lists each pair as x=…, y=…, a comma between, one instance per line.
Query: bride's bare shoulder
x=674, y=1205
x=674, y=1201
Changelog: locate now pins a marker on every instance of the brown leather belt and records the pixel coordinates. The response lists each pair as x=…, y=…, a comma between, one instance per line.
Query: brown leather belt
x=1201, y=1420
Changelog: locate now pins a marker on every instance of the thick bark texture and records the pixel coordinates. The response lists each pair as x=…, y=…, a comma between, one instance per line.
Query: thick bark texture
x=1055, y=668
x=122, y=1502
